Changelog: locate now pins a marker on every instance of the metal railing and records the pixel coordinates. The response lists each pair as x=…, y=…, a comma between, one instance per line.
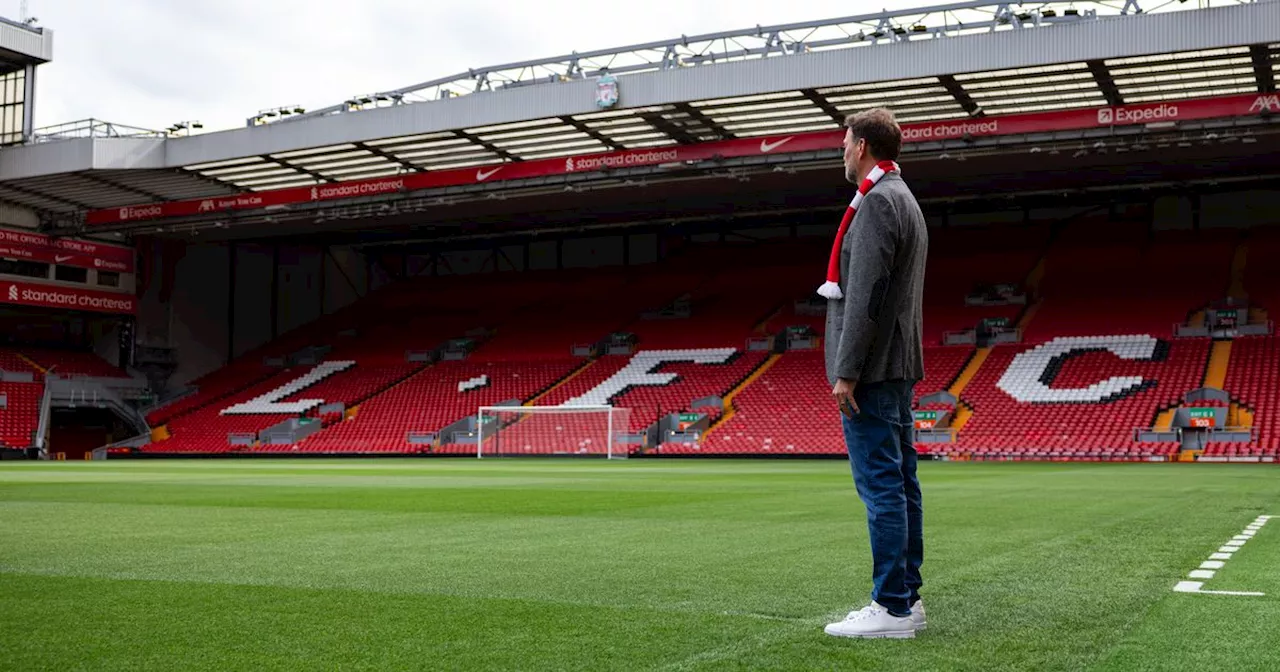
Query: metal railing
x=1251, y=329
x=92, y=128
x=168, y=401
x=757, y=42
x=1139, y=431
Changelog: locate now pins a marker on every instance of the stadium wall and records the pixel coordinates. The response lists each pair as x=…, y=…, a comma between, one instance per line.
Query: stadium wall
x=196, y=312
x=1240, y=209
x=105, y=335
x=1174, y=213
x=344, y=276
x=251, y=325
x=217, y=313
x=221, y=305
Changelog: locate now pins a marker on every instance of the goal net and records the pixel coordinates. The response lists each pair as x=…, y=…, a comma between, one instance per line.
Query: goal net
x=509, y=431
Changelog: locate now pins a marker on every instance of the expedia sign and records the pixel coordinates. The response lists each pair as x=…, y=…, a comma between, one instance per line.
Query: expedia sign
x=1137, y=114
x=140, y=212
x=69, y=298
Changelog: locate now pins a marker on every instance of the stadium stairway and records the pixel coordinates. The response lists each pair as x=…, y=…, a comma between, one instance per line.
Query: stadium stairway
x=729, y=409
x=563, y=381
x=1215, y=375
x=32, y=363
x=964, y=411
x=13, y=360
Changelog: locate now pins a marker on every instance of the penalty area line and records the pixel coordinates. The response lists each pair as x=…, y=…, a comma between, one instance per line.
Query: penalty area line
x=1218, y=560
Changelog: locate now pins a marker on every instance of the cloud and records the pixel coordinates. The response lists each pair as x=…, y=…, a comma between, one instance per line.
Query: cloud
x=151, y=63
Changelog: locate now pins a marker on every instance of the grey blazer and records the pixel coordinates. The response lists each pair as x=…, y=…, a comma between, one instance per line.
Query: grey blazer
x=874, y=332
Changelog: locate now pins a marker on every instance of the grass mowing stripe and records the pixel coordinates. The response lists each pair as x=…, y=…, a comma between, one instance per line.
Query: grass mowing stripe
x=548, y=564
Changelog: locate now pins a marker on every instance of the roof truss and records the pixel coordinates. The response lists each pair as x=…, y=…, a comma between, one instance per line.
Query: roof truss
x=866, y=30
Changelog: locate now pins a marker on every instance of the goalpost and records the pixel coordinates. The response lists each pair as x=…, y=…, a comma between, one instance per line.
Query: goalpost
x=552, y=430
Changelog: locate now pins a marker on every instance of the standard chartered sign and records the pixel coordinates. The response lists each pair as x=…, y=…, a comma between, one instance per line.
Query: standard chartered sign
x=69, y=298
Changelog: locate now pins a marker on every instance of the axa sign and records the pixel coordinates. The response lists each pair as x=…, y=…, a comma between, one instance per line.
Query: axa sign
x=1267, y=103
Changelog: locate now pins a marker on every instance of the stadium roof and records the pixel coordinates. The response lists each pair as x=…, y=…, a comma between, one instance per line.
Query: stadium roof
x=22, y=44
x=961, y=61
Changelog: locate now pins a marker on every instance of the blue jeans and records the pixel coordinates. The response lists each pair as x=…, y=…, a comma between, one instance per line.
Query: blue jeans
x=881, y=443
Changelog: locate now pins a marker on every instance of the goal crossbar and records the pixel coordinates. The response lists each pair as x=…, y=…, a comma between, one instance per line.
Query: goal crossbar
x=594, y=431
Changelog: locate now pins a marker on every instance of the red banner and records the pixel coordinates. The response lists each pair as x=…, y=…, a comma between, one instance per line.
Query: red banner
x=684, y=155
x=33, y=246
x=67, y=298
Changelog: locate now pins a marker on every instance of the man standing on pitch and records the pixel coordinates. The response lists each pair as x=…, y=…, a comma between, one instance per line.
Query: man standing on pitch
x=874, y=355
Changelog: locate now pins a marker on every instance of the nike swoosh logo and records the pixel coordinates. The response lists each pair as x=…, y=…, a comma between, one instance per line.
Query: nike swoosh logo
x=766, y=146
x=58, y=259
x=482, y=175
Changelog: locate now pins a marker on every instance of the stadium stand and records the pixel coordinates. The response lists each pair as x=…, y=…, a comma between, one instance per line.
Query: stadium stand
x=1252, y=381
x=21, y=416
x=73, y=363
x=962, y=261
x=1097, y=423
x=1105, y=279
x=11, y=360
x=1135, y=285
x=788, y=408
x=430, y=401
x=1262, y=274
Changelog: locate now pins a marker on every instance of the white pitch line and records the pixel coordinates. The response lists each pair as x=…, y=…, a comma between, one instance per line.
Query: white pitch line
x=1246, y=593
x=1208, y=569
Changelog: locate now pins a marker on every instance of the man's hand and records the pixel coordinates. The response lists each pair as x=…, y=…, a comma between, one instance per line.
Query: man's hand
x=843, y=393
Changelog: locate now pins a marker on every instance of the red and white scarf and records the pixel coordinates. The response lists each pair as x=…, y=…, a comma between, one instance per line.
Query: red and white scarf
x=831, y=288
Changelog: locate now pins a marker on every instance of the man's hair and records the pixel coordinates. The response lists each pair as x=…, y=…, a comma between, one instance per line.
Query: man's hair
x=881, y=131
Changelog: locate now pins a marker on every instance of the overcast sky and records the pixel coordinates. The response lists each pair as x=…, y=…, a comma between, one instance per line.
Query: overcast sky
x=152, y=63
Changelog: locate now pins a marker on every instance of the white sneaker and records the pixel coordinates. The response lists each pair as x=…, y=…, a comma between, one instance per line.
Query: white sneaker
x=917, y=615
x=873, y=621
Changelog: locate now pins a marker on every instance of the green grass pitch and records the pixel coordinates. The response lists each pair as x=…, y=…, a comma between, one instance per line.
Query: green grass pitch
x=637, y=565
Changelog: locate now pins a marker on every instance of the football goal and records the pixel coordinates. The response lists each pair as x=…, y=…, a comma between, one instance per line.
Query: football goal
x=510, y=431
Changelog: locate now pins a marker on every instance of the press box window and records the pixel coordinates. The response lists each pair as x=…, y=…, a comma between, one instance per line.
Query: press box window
x=108, y=279
x=71, y=274
x=29, y=269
